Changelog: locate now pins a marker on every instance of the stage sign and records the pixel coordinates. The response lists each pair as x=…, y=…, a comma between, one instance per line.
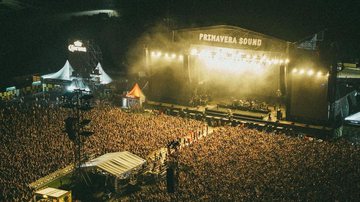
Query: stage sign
x=230, y=39
x=77, y=46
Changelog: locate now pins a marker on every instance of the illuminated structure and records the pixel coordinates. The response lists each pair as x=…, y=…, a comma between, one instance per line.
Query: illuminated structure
x=229, y=62
x=134, y=98
x=224, y=61
x=72, y=81
x=52, y=194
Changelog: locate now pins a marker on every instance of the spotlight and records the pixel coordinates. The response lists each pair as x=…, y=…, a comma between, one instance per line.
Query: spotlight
x=153, y=53
x=287, y=61
x=181, y=57
x=276, y=61
x=166, y=55
x=158, y=53
x=294, y=70
x=319, y=73
x=302, y=71
x=327, y=74
x=281, y=61
x=310, y=72
x=173, y=56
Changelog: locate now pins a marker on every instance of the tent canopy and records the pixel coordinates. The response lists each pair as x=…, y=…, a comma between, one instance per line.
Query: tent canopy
x=103, y=77
x=118, y=164
x=136, y=92
x=65, y=73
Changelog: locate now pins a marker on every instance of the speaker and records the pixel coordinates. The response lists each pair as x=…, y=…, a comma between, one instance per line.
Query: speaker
x=308, y=98
x=170, y=179
x=70, y=123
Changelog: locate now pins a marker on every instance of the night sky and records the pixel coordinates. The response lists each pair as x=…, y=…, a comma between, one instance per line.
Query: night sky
x=33, y=40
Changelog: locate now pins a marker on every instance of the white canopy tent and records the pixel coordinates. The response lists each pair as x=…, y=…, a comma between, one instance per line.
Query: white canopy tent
x=118, y=164
x=65, y=73
x=103, y=77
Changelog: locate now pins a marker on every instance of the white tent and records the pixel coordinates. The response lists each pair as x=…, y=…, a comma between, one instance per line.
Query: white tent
x=64, y=73
x=52, y=194
x=103, y=77
x=118, y=164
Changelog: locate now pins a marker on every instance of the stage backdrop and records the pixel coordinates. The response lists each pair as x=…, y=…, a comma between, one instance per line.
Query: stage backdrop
x=224, y=61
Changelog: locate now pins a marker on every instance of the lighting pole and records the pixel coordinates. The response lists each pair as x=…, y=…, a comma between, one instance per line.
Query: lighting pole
x=78, y=101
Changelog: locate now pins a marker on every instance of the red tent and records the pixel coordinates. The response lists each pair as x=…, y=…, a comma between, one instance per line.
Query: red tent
x=135, y=97
x=136, y=92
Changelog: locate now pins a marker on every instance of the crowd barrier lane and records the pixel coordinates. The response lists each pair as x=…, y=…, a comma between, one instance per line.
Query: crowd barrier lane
x=51, y=177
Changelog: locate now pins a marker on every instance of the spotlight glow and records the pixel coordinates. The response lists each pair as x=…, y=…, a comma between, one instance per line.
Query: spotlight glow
x=294, y=70
x=287, y=61
x=319, y=73
x=310, y=72
x=302, y=71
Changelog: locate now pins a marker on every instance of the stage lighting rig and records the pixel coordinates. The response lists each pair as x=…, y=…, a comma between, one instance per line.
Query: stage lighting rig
x=77, y=102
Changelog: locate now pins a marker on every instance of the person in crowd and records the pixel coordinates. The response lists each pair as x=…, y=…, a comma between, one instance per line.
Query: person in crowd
x=232, y=164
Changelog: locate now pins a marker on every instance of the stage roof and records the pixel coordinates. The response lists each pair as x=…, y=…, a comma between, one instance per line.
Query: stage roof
x=118, y=164
x=227, y=27
x=229, y=37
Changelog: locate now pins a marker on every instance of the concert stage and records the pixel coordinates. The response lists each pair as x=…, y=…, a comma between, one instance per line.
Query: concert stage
x=207, y=64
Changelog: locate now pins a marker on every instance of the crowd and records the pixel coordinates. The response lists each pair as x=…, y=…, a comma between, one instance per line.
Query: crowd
x=34, y=144
x=231, y=164
x=242, y=164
